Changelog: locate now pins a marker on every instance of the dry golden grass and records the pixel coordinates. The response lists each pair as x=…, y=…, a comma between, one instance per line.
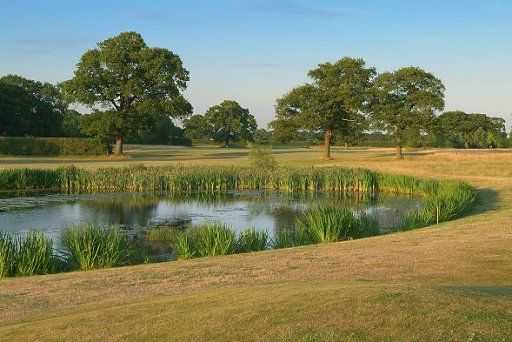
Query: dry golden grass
x=449, y=282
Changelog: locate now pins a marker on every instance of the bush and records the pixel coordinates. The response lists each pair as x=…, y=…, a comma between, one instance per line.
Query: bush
x=90, y=247
x=50, y=146
x=261, y=157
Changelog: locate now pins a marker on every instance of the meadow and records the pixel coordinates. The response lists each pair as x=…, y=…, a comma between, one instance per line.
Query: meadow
x=443, y=282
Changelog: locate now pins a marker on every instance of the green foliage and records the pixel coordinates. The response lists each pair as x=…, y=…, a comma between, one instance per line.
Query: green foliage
x=33, y=254
x=458, y=129
x=206, y=240
x=90, y=247
x=196, y=127
x=405, y=99
x=446, y=202
x=331, y=224
x=25, y=254
x=50, y=146
x=285, y=239
x=30, y=108
x=260, y=157
x=332, y=102
x=252, y=240
x=7, y=255
x=228, y=122
x=133, y=82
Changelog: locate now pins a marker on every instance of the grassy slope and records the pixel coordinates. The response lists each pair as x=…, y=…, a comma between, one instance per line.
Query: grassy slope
x=450, y=282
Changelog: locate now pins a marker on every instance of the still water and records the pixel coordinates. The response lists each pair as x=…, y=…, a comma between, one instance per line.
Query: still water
x=52, y=213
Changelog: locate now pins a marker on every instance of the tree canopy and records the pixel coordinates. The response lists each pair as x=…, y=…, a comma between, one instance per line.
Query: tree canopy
x=132, y=83
x=228, y=122
x=334, y=101
x=405, y=99
x=30, y=107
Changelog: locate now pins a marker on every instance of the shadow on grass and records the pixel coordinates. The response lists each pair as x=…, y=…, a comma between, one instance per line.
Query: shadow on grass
x=479, y=290
x=486, y=200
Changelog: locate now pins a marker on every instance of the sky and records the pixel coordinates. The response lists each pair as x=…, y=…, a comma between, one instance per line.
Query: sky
x=256, y=51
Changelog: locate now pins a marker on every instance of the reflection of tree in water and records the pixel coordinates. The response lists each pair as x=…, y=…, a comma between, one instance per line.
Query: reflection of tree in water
x=125, y=209
x=284, y=218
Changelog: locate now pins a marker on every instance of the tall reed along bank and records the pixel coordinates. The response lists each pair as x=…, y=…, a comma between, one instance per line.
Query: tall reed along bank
x=88, y=247
x=442, y=200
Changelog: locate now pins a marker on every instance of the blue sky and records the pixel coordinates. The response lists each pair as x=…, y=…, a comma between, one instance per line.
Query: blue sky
x=255, y=51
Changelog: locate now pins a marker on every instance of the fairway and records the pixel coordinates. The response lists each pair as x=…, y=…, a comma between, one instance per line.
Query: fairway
x=452, y=281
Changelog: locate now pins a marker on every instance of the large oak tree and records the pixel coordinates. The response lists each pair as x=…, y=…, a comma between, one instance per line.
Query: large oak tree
x=334, y=102
x=406, y=99
x=129, y=85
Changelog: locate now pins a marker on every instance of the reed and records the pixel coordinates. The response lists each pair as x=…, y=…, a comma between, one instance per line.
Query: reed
x=206, y=240
x=90, y=247
x=330, y=224
x=252, y=240
x=34, y=253
x=7, y=255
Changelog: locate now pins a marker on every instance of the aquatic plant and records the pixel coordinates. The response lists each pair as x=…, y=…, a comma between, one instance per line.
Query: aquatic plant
x=329, y=224
x=206, y=240
x=90, y=246
x=33, y=254
x=252, y=240
x=7, y=256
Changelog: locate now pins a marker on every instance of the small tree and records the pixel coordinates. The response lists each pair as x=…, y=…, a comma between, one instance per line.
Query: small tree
x=228, y=122
x=406, y=99
x=135, y=83
x=333, y=102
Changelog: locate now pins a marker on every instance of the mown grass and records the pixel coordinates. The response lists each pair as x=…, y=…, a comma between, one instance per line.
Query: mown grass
x=380, y=289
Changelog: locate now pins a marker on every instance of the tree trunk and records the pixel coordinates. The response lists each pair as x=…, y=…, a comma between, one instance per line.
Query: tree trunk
x=399, y=154
x=118, y=149
x=327, y=144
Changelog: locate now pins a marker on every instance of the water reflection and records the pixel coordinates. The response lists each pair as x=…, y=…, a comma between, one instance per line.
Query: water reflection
x=241, y=210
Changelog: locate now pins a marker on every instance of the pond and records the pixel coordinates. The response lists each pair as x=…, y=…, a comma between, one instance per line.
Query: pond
x=269, y=211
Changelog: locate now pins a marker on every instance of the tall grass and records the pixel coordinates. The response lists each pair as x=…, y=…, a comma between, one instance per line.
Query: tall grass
x=206, y=240
x=25, y=254
x=7, y=255
x=252, y=240
x=329, y=224
x=90, y=247
x=34, y=253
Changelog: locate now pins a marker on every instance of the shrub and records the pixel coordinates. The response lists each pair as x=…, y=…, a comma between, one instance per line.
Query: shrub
x=252, y=240
x=260, y=157
x=50, y=146
x=90, y=247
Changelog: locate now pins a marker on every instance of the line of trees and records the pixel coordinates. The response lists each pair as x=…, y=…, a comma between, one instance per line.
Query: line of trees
x=135, y=92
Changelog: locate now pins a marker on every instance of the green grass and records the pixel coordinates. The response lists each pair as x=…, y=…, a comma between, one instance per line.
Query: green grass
x=90, y=247
x=386, y=288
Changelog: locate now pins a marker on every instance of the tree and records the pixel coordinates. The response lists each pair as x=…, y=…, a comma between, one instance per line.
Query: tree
x=30, y=107
x=196, y=127
x=136, y=84
x=406, y=99
x=262, y=136
x=333, y=102
x=228, y=122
